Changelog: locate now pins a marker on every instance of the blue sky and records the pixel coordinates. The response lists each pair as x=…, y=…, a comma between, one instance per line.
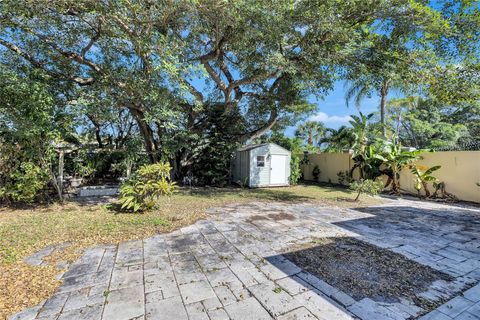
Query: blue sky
x=333, y=110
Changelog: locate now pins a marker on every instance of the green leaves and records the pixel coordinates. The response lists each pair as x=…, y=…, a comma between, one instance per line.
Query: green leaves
x=367, y=186
x=141, y=191
x=430, y=123
x=423, y=176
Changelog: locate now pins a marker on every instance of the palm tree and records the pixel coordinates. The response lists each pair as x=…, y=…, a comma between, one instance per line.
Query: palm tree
x=361, y=88
x=311, y=131
x=339, y=139
x=360, y=130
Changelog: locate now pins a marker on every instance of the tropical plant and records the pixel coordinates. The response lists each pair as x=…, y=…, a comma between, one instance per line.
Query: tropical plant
x=423, y=175
x=30, y=123
x=142, y=190
x=394, y=157
x=388, y=64
x=440, y=187
x=360, y=131
x=338, y=140
x=363, y=87
x=427, y=123
x=367, y=186
x=311, y=131
x=364, y=147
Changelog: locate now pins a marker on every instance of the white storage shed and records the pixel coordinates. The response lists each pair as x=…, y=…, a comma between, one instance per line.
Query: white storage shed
x=261, y=165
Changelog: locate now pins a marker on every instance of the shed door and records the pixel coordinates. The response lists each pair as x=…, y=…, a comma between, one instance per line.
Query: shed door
x=278, y=169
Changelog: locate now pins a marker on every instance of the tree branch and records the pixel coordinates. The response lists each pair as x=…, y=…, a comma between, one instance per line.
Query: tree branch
x=273, y=114
x=82, y=81
x=21, y=53
x=216, y=77
x=264, y=128
x=197, y=94
x=253, y=79
x=89, y=45
x=122, y=25
x=67, y=54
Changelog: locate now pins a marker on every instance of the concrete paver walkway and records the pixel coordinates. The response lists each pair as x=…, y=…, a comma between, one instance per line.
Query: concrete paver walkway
x=229, y=266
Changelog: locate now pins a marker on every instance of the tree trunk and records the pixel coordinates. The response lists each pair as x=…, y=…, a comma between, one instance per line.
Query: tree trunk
x=98, y=137
x=97, y=130
x=147, y=135
x=358, y=196
x=383, y=105
x=427, y=191
x=395, y=184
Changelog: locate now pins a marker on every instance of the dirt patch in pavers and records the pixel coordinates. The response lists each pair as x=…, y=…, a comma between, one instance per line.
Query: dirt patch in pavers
x=363, y=270
x=281, y=216
x=272, y=217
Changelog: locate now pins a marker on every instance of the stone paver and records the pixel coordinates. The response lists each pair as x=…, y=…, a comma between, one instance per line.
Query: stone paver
x=230, y=266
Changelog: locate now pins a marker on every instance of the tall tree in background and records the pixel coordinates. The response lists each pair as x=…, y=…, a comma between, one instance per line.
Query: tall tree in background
x=385, y=66
x=361, y=131
x=339, y=140
x=425, y=123
x=311, y=131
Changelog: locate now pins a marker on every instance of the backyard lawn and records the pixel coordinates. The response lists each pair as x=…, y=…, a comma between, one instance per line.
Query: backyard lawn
x=81, y=225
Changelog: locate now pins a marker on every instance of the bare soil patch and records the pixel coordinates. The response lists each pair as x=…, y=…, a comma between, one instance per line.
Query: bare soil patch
x=363, y=270
x=272, y=217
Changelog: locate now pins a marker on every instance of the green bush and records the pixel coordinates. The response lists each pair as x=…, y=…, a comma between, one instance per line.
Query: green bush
x=142, y=190
x=24, y=183
x=316, y=173
x=344, y=178
x=368, y=186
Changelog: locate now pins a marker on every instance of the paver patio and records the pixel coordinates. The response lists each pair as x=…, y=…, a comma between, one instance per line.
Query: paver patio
x=230, y=266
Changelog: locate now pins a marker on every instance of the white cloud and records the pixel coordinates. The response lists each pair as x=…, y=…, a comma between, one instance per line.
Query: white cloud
x=323, y=117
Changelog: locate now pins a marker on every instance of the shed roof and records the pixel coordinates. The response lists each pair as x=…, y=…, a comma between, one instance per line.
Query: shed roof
x=254, y=146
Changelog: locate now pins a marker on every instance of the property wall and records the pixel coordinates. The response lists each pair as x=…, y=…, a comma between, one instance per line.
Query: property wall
x=329, y=163
x=460, y=170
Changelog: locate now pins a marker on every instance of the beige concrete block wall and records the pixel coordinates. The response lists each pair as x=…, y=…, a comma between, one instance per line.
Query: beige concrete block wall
x=460, y=171
x=329, y=163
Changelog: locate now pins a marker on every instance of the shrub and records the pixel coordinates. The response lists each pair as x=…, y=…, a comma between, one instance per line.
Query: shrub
x=24, y=183
x=316, y=173
x=344, y=178
x=142, y=190
x=368, y=186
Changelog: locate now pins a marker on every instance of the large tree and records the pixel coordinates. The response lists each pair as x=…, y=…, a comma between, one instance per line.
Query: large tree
x=389, y=64
x=426, y=123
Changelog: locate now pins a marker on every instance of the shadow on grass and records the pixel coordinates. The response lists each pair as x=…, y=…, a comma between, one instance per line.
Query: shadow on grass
x=270, y=194
x=279, y=195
